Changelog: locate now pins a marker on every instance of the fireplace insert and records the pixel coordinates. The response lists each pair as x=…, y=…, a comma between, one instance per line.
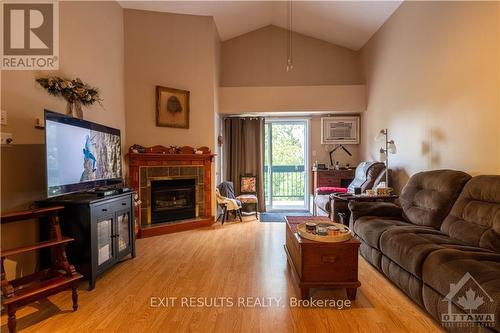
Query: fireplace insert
x=172, y=200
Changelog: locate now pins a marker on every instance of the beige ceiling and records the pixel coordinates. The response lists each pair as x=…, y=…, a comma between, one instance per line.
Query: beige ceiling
x=345, y=23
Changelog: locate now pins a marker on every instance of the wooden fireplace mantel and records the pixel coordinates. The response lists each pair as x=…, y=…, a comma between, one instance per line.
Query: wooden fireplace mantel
x=136, y=161
x=133, y=157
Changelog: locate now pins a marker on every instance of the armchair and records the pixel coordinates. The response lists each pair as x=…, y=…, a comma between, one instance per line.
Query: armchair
x=226, y=200
x=248, y=195
x=367, y=175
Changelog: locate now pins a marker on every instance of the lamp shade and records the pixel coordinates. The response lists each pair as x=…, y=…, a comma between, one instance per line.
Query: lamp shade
x=392, y=147
x=381, y=135
x=382, y=155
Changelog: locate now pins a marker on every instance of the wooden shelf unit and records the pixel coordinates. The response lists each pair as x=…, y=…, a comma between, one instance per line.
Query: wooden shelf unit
x=60, y=276
x=40, y=245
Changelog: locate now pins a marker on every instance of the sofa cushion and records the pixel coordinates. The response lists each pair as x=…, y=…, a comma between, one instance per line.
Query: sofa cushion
x=247, y=198
x=370, y=228
x=450, y=266
x=409, y=246
x=373, y=256
x=475, y=216
x=429, y=196
x=411, y=285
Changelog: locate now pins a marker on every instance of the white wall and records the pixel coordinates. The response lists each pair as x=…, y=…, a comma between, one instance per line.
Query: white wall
x=258, y=58
x=432, y=74
x=177, y=51
x=170, y=50
x=238, y=100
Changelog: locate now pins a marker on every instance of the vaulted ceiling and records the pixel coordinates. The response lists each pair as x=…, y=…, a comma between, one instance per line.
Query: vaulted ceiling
x=345, y=23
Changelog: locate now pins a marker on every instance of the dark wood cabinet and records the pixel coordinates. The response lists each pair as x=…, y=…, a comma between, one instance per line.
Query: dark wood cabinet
x=103, y=229
x=332, y=178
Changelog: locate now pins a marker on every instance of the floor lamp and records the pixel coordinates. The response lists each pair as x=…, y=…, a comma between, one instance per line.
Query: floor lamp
x=389, y=148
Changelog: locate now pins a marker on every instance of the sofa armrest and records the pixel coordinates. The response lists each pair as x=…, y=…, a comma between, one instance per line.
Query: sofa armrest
x=382, y=209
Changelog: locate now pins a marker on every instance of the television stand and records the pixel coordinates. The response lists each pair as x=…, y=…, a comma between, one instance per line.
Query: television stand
x=103, y=229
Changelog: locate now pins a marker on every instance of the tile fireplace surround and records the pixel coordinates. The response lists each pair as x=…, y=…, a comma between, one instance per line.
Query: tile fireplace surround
x=147, y=167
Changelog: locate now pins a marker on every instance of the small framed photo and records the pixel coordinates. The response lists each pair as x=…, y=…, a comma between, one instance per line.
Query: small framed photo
x=172, y=107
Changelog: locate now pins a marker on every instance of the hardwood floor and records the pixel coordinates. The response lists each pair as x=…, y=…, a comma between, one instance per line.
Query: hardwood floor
x=235, y=260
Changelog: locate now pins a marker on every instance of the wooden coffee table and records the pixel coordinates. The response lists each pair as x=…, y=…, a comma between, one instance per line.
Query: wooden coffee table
x=318, y=264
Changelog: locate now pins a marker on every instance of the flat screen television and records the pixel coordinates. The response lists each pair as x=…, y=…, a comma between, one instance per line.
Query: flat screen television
x=80, y=155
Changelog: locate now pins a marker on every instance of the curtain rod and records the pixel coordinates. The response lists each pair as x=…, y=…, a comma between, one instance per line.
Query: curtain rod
x=242, y=117
x=308, y=116
x=291, y=115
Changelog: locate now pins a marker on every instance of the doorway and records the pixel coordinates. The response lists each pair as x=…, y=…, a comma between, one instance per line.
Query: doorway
x=286, y=172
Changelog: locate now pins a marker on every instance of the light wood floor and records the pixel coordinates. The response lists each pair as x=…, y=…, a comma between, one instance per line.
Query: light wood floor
x=238, y=259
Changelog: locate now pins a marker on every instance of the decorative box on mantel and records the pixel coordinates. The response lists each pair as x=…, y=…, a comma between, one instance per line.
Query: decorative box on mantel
x=174, y=186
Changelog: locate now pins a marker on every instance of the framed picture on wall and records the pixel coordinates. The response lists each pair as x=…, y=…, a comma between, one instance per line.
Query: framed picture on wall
x=172, y=107
x=340, y=130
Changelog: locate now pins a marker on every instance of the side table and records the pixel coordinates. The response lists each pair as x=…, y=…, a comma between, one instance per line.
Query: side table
x=365, y=198
x=346, y=197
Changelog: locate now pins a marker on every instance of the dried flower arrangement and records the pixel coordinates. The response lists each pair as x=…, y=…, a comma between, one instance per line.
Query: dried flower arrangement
x=75, y=92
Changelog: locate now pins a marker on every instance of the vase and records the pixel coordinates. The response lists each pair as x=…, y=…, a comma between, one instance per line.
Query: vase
x=74, y=109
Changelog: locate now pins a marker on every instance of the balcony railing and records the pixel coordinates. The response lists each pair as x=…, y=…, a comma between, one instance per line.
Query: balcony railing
x=288, y=182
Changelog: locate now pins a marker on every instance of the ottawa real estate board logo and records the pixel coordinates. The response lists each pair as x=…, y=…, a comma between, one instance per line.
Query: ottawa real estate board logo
x=468, y=305
x=30, y=35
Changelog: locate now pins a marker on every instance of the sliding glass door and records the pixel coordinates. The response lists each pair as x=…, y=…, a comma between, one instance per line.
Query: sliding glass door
x=285, y=165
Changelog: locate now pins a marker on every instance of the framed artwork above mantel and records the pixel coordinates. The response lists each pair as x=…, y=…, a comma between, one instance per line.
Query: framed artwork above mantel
x=340, y=130
x=172, y=107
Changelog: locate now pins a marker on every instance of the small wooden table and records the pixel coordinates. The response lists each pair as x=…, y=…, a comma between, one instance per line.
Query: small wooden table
x=347, y=197
x=318, y=264
x=364, y=198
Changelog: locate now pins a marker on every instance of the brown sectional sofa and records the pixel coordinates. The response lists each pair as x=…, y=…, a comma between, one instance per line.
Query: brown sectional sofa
x=448, y=224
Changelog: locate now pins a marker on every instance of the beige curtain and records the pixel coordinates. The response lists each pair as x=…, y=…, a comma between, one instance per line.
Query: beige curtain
x=244, y=152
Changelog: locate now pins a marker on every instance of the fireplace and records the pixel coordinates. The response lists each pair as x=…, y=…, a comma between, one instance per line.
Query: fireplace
x=172, y=200
x=158, y=164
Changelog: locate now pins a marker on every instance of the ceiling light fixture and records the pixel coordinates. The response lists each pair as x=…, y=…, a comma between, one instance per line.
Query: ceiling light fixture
x=289, y=62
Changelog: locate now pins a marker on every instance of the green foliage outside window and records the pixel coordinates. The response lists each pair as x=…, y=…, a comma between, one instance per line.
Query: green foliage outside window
x=288, y=161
